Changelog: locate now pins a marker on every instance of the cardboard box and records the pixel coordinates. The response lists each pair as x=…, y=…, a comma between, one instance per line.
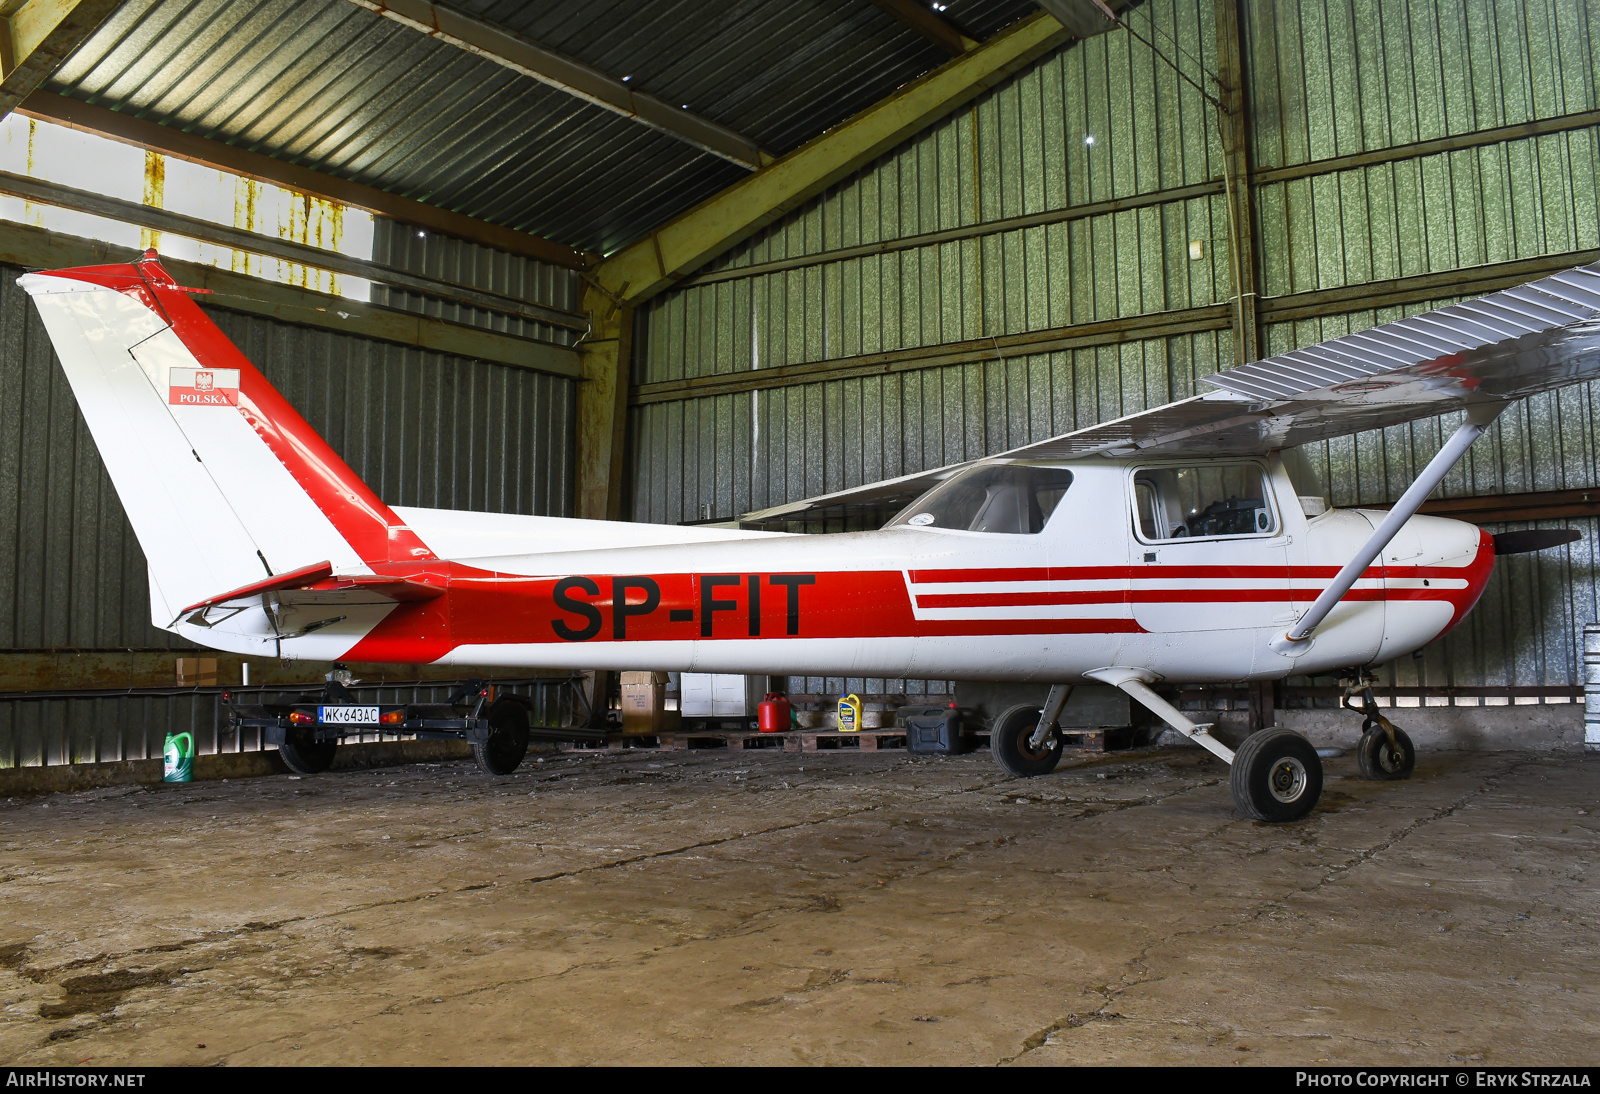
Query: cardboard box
x=197, y=672
x=644, y=702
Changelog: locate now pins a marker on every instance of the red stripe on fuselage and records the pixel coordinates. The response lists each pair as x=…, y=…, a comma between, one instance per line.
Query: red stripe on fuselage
x=1156, y=572
x=1157, y=596
x=482, y=608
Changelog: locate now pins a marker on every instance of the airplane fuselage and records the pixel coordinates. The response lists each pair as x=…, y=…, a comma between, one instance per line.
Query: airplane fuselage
x=1092, y=588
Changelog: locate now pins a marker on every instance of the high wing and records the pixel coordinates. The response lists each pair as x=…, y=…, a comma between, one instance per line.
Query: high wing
x=1498, y=348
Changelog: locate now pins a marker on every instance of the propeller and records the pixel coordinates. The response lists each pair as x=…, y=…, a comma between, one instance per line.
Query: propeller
x=1538, y=539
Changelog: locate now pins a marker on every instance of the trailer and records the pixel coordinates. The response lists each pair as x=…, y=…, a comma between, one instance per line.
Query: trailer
x=307, y=725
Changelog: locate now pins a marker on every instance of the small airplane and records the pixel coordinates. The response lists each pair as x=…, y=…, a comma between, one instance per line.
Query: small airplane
x=1168, y=545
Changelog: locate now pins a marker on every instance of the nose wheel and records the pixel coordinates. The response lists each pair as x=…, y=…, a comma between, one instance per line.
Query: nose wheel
x=1385, y=753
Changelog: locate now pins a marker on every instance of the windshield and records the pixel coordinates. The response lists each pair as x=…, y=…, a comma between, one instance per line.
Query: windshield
x=1010, y=498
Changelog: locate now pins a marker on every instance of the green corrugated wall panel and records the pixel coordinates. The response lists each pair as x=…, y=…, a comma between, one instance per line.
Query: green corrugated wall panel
x=1519, y=199
x=1333, y=77
x=1326, y=78
x=1020, y=149
x=748, y=450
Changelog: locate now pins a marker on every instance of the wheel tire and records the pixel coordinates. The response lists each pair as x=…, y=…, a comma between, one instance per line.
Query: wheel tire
x=1008, y=740
x=502, y=753
x=1276, y=776
x=1381, y=762
x=304, y=754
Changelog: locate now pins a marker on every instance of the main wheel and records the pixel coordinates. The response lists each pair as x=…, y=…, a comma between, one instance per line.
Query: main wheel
x=1276, y=776
x=1008, y=740
x=508, y=739
x=305, y=755
x=1381, y=760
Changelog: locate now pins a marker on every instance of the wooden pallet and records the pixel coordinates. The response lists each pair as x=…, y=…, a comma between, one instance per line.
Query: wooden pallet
x=799, y=740
x=802, y=740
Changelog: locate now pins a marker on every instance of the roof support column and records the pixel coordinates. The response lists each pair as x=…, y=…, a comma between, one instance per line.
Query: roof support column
x=607, y=357
x=1234, y=123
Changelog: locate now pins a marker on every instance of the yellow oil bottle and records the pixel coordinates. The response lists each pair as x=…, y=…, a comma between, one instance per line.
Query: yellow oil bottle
x=849, y=713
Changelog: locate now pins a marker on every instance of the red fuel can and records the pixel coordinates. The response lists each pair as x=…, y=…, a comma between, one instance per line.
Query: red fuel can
x=773, y=713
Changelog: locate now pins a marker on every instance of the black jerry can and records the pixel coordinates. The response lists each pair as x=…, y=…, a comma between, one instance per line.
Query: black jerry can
x=933, y=731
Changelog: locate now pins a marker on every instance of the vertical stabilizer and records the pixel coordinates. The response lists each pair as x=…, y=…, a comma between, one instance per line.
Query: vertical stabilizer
x=223, y=481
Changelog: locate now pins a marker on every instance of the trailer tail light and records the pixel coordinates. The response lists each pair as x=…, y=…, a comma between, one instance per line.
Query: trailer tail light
x=302, y=718
x=393, y=718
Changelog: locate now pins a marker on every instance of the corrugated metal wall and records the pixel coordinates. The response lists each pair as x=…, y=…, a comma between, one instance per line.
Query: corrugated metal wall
x=1332, y=79
x=1107, y=122
x=449, y=259
x=422, y=428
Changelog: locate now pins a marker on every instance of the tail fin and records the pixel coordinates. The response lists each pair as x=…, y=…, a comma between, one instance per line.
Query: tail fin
x=223, y=481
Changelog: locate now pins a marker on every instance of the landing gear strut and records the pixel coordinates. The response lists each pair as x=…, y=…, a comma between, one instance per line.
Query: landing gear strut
x=1385, y=752
x=1275, y=775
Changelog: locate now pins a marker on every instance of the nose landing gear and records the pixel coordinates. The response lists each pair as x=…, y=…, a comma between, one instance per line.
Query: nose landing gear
x=1385, y=752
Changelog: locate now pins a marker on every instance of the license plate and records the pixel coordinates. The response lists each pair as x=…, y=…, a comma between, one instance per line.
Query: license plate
x=347, y=716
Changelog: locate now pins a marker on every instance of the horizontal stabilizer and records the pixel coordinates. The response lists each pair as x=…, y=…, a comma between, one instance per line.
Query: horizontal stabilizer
x=302, y=578
x=392, y=588
x=320, y=578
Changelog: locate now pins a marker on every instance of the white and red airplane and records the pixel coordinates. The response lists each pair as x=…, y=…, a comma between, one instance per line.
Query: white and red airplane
x=1170, y=545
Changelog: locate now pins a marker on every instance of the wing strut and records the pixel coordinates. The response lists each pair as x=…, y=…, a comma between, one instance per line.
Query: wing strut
x=1479, y=417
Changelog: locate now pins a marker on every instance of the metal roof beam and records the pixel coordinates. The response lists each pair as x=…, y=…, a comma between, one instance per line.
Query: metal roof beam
x=36, y=36
x=928, y=23
x=692, y=239
x=197, y=149
x=24, y=245
x=1084, y=18
x=240, y=239
x=529, y=58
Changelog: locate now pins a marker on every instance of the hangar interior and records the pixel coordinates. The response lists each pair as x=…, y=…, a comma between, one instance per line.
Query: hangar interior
x=684, y=262
x=985, y=229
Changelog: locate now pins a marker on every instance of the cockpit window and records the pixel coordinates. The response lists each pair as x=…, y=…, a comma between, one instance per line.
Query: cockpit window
x=1009, y=498
x=1211, y=500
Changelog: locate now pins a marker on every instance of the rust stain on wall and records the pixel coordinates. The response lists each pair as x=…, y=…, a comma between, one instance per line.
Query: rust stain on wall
x=155, y=194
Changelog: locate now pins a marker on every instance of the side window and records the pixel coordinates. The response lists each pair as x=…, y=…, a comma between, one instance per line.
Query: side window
x=1007, y=498
x=1203, y=500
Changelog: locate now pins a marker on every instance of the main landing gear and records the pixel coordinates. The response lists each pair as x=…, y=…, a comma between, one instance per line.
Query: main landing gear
x=1385, y=752
x=1275, y=776
x=1024, y=739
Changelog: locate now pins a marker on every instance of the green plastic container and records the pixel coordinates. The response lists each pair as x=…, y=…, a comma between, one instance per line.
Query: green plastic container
x=179, y=757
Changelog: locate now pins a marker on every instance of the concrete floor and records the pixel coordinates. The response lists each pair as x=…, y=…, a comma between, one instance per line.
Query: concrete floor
x=770, y=908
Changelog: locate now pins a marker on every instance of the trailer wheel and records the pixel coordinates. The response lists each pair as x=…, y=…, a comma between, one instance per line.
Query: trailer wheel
x=305, y=755
x=1276, y=776
x=508, y=739
x=1008, y=740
